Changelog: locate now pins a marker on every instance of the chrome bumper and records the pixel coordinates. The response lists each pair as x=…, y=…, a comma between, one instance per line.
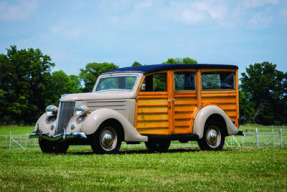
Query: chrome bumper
x=59, y=137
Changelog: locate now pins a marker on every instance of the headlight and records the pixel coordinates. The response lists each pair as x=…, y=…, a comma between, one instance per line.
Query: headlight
x=81, y=110
x=51, y=110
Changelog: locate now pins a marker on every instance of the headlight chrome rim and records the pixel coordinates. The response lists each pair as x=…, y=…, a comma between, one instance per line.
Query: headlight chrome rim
x=81, y=110
x=51, y=110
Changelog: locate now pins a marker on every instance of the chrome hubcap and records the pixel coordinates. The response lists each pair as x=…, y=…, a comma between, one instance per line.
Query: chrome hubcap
x=108, y=138
x=213, y=136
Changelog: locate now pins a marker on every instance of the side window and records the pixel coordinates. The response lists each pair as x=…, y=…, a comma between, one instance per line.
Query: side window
x=156, y=82
x=184, y=81
x=129, y=82
x=217, y=80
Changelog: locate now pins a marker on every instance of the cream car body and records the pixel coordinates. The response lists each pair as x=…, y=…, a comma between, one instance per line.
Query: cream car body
x=105, y=118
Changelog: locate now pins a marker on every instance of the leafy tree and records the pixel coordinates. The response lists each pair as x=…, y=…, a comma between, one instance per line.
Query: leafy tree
x=265, y=86
x=59, y=80
x=74, y=84
x=63, y=84
x=90, y=74
x=24, y=84
x=185, y=60
x=136, y=64
x=246, y=107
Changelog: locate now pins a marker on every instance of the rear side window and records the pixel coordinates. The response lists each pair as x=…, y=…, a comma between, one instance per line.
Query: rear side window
x=154, y=83
x=184, y=81
x=217, y=80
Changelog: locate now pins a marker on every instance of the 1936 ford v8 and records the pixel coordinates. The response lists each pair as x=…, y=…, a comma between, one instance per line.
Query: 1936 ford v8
x=154, y=104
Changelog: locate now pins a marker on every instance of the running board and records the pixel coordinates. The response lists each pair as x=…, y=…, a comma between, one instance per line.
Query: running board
x=181, y=137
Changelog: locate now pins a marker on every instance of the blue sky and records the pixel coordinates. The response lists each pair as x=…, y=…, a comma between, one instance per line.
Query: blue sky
x=75, y=32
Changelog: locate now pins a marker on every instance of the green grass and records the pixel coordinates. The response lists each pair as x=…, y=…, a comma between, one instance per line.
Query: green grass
x=5, y=130
x=186, y=170
x=183, y=168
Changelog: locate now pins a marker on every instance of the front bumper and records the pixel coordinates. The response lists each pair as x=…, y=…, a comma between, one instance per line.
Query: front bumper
x=59, y=137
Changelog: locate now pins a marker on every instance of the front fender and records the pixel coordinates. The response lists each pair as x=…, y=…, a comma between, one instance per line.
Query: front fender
x=93, y=121
x=45, y=125
x=205, y=113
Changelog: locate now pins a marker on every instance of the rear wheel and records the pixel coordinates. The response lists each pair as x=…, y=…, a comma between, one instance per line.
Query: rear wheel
x=157, y=146
x=52, y=147
x=213, y=138
x=107, y=140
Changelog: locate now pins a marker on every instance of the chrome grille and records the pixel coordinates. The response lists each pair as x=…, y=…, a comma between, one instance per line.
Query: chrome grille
x=65, y=113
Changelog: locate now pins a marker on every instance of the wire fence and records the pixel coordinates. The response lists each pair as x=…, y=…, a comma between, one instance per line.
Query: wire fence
x=17, y=141
x=258, y=139
x=271, y=136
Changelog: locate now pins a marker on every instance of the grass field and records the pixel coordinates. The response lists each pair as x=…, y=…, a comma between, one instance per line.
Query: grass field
x=134, y=169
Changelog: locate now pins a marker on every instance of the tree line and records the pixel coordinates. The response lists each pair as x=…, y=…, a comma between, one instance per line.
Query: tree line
x=28, y=85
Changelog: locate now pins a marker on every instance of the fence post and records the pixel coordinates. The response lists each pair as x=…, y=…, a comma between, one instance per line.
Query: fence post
x=27, y=136
x=273, y=136
x=226, y=143
x=281, y=138
x=10, y=146
x=257, y=137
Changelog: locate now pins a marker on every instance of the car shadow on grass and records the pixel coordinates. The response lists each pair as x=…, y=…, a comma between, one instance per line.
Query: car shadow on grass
x=142, y=151
x=145, y=151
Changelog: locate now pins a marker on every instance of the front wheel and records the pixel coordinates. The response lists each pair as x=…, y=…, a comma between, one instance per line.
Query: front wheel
x=213, y=138
x=107, y=140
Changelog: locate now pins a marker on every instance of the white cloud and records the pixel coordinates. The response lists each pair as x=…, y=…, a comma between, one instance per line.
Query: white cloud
x=144, y=5
x=194, y=17
x=284, y=13
x=67, y=29
x=20, y=10
x=58, y=54
x=226, y=12
x=258, y=3
x=215, y=9
x=258, y=13
x=125, y=15
x=260, y=19
x=74, y=32
x=202, y=11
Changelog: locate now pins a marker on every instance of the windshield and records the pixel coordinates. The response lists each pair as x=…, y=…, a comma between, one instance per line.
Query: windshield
x=116, y=83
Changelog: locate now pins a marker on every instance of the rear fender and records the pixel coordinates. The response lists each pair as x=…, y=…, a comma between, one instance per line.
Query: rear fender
x=205, y=113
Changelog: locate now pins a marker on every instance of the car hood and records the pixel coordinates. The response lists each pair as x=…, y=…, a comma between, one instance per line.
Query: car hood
x=107, y=95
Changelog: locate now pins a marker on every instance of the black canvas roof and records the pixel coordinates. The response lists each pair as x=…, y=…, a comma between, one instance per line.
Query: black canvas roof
x=161, y=67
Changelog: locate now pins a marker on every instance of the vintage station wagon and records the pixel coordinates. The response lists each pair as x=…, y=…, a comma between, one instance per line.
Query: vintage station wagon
x=154, y=104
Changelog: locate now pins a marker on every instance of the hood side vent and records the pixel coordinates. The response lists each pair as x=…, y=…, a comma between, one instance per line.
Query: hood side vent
x=115, y=105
